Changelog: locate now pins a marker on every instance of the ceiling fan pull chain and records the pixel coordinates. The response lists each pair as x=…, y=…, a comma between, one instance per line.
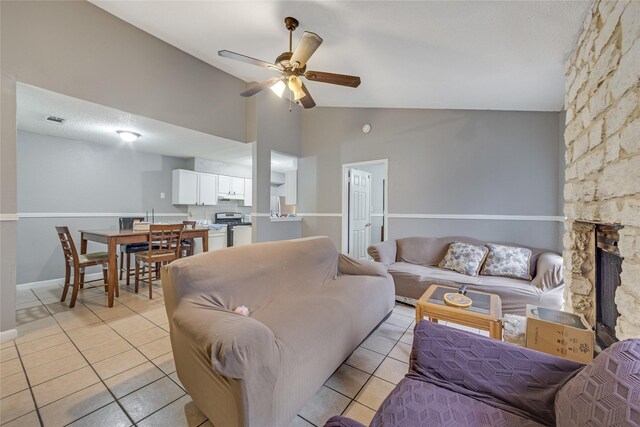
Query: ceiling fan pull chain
x=289, y=104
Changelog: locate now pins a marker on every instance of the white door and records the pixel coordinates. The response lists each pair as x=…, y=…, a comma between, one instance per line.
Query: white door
x=207, y=192
x=359, y=213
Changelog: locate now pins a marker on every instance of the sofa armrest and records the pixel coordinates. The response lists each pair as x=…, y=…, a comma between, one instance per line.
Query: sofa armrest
x=384, y=252
x=239, y=346
x=339, y=421
x=498, y=373
x=549, y=271
x=356, y=267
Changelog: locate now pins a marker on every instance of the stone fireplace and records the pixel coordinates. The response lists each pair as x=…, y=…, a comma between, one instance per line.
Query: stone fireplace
x=602, y=175
x=595, y=276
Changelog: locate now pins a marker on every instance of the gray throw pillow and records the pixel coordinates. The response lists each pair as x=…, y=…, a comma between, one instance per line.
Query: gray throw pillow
x=464, y=258
x=507, y=261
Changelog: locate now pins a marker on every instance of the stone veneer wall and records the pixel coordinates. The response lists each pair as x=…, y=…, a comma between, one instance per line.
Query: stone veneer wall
x=602, y=135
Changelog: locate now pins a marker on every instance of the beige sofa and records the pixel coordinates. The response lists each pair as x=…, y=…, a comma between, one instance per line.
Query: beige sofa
x=310, y=308
x=413, y=263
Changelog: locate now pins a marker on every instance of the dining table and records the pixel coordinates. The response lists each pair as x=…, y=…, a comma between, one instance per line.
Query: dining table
x=112, y=238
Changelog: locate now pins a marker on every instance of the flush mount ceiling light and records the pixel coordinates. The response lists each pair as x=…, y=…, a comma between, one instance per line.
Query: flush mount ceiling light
x=128, y=136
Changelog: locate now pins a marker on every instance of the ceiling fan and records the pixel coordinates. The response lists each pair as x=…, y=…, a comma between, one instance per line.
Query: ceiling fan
x=291, y=66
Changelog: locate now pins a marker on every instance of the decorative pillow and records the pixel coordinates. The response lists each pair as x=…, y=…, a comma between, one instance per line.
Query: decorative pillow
x=508, y=261
x=464, y=258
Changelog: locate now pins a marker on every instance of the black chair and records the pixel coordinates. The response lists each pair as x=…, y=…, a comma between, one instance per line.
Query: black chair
x=126, y=223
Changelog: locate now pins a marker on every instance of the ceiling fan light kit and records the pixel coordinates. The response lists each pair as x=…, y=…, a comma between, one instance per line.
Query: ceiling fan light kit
x=291, y=66
x=278, y=88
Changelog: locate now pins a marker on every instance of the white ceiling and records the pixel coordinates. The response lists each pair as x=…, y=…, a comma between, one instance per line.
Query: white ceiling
x=498, y=55
x=89, y=122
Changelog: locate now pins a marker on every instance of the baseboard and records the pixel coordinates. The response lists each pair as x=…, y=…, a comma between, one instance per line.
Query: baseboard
x=60, y=281
x=8, y=335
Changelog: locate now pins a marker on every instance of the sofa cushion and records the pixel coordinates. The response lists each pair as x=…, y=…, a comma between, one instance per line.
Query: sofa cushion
x=419, y=403
x=464, y=258
x=507, y=261
x=605, y=392
x=431, y=250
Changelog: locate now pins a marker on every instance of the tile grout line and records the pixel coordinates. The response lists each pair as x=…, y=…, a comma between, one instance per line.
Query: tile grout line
x=33, y=397
x=164, y=374
x=92, y=368
x=373, y=373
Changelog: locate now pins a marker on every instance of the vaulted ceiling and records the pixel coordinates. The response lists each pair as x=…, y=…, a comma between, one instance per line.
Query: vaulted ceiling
x=499, y=55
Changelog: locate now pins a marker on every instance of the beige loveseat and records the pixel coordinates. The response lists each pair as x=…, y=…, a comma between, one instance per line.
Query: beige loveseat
x=310, y=308
x=413, y=263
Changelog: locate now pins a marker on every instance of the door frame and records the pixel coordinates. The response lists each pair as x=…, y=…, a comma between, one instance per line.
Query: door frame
x=345, y=199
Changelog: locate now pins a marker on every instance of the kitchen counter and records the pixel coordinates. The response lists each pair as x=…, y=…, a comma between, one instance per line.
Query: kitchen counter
x=286, y=219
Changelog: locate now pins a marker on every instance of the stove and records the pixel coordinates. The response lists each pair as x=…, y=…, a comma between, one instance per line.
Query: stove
x=234, y=219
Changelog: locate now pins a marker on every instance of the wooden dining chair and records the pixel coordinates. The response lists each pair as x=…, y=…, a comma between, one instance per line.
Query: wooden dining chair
x=78, y=262
x=164, y=247
x=188, y=245
x=126, y=223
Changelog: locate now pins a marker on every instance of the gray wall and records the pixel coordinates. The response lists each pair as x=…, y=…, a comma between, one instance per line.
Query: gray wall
x=440, y=162
x=277, y=129
x=77, y=49
x=57, y=175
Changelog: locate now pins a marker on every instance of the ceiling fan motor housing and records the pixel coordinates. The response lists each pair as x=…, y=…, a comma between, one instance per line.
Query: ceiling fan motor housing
x=283, y=61
x=291, y=23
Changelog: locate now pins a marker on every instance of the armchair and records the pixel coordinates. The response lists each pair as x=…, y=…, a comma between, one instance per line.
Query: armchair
x=461, y=379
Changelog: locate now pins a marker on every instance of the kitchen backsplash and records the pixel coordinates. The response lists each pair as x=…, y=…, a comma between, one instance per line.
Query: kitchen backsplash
x=206, y=212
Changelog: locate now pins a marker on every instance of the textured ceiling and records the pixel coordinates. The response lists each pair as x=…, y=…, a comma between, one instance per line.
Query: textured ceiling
x=89, y=122
x=499, y=55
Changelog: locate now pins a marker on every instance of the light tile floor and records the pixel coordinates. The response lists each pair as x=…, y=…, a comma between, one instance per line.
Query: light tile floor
x=96, y=366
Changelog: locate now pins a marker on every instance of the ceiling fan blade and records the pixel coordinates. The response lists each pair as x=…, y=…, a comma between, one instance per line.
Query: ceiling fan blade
x=306, y=46
x=247, y=59
x=307, y=101
x=258, y=87
x=335, y=79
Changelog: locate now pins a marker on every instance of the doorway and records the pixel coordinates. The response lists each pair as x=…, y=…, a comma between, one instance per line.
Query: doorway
x=364, y=206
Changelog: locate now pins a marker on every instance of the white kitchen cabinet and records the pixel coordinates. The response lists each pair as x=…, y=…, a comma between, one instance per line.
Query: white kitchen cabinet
x=224, y=184
x=184, y=188
x=291, y=187
x=248, y=192
x=230, y=187
x=193, y=188
x=207, y=189
x=237, y=186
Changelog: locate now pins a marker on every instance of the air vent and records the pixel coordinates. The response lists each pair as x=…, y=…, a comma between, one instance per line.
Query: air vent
x=55, y=119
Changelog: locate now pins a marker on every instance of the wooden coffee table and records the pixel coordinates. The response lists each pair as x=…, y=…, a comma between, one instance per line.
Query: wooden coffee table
x=485, y=313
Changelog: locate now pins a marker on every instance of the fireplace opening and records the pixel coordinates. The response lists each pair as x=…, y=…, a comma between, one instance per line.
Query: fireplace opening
x=608, y=269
